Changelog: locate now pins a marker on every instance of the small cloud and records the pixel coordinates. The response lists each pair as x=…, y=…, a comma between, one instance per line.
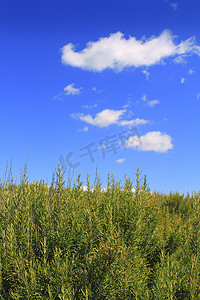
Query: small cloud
x=150, y=103
x=182, y=80
x=58, y=97
x=71, y=90
x=190, y=72
x=152, y=141
x=153, y=103
x=129, y=103
x=68, y=90
x=180, y=59
x=146, y=73
x=120, y=160
x=135, y=122
x=144, y=98
x=198, y=96
x=125, y=106
x=89, y=106
x=174, y=5
x=95, y=90
x=130, y=113
x=84, y=129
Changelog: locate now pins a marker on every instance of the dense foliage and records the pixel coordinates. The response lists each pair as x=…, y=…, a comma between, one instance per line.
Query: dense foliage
x=67, y=243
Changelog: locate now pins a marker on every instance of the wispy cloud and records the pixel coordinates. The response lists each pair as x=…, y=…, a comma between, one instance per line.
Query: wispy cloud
x=97, y=91
x=120, y=160
x=181, y=59
x=150, y=103
x=190, y=71
x=89, y=106
x=146, y=73
x=152, y=141
x=71, y=90
x=108, y=117
x=68, y=90
x=84, y=129
x=135, y=122
x=174, y=5
x=59, y=96
x=116, y=52
x=128, y=103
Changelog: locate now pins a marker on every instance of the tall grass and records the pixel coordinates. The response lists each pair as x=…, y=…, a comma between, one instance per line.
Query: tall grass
x=64, y=243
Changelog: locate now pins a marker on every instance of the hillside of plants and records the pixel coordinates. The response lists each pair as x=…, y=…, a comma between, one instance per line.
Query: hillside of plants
x=62, y=242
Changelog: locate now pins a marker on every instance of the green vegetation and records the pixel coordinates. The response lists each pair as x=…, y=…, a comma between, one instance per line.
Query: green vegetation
x=64, y=243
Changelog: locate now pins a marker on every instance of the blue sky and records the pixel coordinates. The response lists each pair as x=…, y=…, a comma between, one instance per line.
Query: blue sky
x=115, y=80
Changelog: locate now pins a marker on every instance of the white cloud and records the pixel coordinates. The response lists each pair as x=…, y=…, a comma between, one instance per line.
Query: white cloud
x=85, y=128
x=144, y=98
x=182, y=80
x=190, y=71
x=181, y=59
x=71, y=90
x=129, y=103
x=58, y=97
x=116, y=52
x=152, y=141
x=135, y=122
x=152, y=103
x=125, y=106
x=198, y=96
x=102, y=119
x=108, y=117
x=89, y=106
x=120, y=160
x=146, y=73
x=97, y=91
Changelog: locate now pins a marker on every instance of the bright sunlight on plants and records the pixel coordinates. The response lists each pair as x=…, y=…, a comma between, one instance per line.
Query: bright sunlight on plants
x=71, y=243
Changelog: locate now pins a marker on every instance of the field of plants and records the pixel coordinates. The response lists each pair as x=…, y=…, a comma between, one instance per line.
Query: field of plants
x=63, y=242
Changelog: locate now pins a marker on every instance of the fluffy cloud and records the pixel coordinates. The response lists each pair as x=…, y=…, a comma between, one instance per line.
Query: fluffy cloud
x=120, y=160
x=116, y=52
x=102, y=119
x=71, y=90
x=108, y=117
x=152, y=141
